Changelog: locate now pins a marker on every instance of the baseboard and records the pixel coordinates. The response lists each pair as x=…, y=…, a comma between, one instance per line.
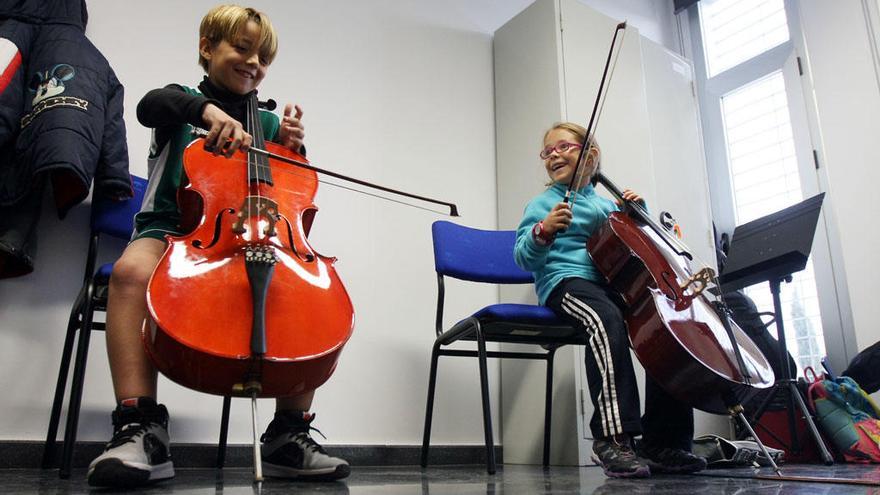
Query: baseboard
x=29, y=454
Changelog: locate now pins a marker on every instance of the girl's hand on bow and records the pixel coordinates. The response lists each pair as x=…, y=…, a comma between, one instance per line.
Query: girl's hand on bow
x=558, y=219
x=292, y=132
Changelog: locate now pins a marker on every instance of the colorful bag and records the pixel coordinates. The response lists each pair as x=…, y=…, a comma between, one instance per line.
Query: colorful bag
x=848, y=417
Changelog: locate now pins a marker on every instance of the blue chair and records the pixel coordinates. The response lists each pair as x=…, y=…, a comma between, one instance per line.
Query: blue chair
x=111, y=218
x=115, y=219
x=487, y=256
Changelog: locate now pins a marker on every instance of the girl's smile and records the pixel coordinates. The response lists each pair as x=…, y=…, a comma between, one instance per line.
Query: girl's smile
x=560, y=165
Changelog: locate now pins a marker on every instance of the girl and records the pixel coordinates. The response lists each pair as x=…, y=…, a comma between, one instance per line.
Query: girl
x=552, y=243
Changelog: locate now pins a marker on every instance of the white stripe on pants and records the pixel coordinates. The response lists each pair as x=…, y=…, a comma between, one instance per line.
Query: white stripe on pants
x=607, y=399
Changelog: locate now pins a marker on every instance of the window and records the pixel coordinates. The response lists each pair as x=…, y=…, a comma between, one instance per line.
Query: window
x=765, y=179
x=760, y=147
x=746, y=74
x=737, y=30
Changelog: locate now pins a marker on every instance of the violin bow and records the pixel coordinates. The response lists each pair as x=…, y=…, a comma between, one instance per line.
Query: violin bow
x=453, y=209
x=580, y=170
x=588, y=138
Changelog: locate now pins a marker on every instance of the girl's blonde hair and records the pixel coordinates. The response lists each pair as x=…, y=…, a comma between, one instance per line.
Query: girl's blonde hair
x=581, y=133
x=224, y=22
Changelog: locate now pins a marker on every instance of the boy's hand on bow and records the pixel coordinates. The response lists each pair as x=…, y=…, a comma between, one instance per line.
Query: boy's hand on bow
x=558, y=219
x=225, y=134
x=292, y=132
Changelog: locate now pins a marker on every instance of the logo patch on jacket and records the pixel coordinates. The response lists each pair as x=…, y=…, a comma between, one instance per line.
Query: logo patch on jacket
x=46, y=86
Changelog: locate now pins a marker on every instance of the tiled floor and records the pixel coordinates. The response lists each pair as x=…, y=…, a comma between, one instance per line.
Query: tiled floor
x=509, y=479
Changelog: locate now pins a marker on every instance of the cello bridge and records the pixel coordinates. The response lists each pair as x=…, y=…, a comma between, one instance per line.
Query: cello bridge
x=257, y=207
x=698, y=282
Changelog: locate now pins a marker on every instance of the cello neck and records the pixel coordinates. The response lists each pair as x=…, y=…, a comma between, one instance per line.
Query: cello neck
x=640, y=212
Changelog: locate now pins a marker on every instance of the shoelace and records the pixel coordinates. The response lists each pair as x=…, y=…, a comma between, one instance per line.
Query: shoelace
x=127, y=434
x=624, y=449
x=309, y=442
x=307, y=439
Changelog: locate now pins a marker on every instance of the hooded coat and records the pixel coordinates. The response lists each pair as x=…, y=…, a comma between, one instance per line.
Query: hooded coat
x=60, y=121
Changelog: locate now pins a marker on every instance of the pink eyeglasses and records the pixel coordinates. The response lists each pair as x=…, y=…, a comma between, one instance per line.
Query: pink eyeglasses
x=559, y=148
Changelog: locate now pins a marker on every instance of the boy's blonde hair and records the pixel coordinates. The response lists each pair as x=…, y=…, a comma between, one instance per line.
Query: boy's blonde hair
x=224, y=22
x=581, y=133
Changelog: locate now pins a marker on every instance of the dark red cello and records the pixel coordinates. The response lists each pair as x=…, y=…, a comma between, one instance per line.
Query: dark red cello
x=697, y=355
x=695, y=352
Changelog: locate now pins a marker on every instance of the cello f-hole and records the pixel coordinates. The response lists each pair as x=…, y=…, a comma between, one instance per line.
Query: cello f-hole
x=307, y=257
x=218, y=220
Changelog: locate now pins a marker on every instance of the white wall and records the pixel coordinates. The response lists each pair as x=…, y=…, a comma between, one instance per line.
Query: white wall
x=653, y=18
x=395, y=92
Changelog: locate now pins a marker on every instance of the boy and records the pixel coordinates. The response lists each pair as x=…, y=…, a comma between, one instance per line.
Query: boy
x=236, y=46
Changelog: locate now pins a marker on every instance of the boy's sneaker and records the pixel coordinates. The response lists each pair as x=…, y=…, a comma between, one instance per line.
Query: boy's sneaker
x=618, y=459
x=138, y=453
x=289, y=451
x=669, y=460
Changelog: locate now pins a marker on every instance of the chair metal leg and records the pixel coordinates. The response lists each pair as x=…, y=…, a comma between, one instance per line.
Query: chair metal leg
x=61, y=384
x=487, y=411
x=224, y=430
x=79, y=371
x=429, y=405
x=548, y=407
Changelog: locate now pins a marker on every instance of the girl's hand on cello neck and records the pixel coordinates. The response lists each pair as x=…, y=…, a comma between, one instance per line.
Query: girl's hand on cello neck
x=630, y=195
x=225, y=134
x=292, y=132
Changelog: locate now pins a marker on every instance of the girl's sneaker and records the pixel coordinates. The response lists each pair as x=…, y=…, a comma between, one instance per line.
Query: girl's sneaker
x=669, y=460
x=618, y=459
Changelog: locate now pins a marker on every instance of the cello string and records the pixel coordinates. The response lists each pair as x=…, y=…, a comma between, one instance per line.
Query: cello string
x=256, y=181
x=250, y=160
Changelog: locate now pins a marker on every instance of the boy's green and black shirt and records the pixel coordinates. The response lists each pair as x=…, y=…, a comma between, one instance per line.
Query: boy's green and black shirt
x=173, y=112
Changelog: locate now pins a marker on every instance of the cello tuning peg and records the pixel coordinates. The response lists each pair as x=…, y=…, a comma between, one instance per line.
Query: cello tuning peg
x=268, y=104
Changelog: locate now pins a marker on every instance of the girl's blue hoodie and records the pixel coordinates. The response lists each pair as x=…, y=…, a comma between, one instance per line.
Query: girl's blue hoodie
x=567, y=256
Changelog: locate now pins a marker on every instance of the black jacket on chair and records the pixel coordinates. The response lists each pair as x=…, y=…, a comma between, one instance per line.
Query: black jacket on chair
x=60, y=120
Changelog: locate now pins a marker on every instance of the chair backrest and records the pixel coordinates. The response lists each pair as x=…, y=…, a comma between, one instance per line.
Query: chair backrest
x=116, y=218
x=476, y=255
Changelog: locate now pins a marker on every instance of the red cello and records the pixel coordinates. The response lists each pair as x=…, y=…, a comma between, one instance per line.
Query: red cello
x=243, y=298
x=243, y=305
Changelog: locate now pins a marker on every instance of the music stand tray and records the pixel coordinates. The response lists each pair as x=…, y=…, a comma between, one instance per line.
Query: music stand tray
x=770, y=249
x=774, y=246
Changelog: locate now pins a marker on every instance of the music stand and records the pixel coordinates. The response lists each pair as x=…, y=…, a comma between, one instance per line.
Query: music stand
x=770, y=249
